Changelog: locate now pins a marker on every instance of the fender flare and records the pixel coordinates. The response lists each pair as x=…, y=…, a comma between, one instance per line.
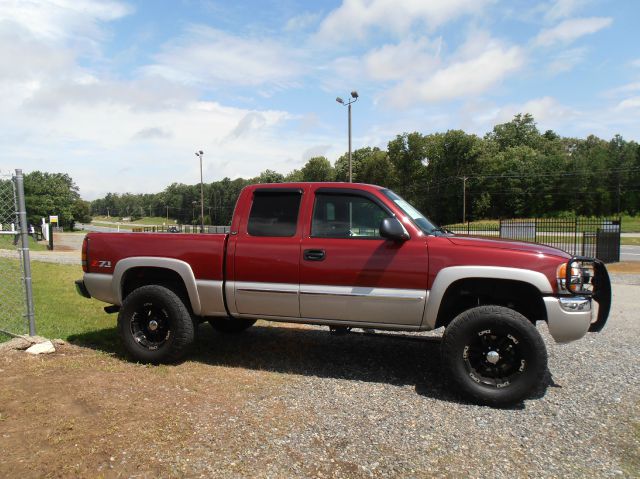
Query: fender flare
x=447, y=276
x=182, y=268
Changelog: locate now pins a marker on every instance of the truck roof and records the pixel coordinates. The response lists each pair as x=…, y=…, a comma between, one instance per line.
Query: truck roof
x=306, y=184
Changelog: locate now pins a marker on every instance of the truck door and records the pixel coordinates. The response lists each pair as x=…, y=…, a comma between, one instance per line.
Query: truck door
x=267, y=255
x=349, y=272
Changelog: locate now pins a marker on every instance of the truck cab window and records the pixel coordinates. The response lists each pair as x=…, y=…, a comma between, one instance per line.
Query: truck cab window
x=346, y=216
x=274, y=214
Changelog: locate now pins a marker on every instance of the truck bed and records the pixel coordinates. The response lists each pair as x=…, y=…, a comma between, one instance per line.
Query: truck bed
x=204, y=252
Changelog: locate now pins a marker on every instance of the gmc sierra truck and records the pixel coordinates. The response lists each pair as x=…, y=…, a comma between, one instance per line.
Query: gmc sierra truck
x=351, y=256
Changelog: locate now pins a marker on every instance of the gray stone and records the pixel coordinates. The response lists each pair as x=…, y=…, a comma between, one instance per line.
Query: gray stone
x=42, y=348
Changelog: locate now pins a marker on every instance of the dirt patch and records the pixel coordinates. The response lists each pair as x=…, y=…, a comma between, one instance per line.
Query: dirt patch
x=67, y=241
x=630, y=267
x=82, y=413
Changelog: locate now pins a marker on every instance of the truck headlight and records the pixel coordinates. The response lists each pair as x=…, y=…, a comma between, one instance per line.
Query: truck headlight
x=576, y=276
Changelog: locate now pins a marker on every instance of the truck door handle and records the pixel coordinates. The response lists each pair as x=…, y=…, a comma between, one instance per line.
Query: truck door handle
x=313, y=254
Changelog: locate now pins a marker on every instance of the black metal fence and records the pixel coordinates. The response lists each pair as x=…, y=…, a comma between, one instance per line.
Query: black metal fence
x=595, y=237
x=180, y=229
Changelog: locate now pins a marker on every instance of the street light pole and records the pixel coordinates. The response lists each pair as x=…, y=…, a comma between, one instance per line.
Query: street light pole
x=199, y=154
x=354, y=98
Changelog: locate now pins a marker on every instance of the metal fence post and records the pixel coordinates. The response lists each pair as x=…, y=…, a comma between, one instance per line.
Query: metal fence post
x=24, y=252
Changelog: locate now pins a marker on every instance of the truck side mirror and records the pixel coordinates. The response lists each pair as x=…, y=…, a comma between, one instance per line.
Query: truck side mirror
x=392, y=229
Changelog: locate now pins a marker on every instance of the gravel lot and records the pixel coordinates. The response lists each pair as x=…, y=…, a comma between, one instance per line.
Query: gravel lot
x=284, y=401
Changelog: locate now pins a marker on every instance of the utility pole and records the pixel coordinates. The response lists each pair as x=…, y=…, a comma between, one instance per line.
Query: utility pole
x=354, y=98
x=167, y=206
x=618, y=194
x=199, y=153
x=464, y=198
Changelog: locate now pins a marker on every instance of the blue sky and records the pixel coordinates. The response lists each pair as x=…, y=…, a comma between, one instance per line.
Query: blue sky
x=120, y=94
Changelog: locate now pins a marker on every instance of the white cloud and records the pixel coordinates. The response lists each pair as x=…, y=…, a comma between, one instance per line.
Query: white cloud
x=546, y=110
x=402, y=60
x=134, y=134
x=95, y=141
x=208, y=56
x=24, y=58
x=301, y=22
x=251, y=121
x=570, y=30
x=317, y=150
x=567, y=60
x=144, y=93
x=629, y=104
x=462, y=78
x=61, y=19
x=562, y=9
x=624, y=89
x=152, y=133
x=355, y=18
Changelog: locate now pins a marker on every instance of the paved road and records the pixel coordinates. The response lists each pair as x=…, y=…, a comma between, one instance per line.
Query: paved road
x=104, y=229
x=629, y=253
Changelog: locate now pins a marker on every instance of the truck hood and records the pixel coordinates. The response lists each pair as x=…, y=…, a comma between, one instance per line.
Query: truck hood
x=508, y=245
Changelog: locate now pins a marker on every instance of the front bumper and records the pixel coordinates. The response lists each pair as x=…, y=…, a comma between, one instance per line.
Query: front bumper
x=568, y=318
x=571, y=317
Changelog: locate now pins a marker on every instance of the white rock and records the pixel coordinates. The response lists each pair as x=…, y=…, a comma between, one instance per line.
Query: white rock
x=42, y=348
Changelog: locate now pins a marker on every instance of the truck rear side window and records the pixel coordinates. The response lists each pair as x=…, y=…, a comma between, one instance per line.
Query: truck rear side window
x=274, y=214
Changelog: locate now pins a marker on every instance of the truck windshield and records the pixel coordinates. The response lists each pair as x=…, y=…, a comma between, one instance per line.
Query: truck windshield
x=418, y=218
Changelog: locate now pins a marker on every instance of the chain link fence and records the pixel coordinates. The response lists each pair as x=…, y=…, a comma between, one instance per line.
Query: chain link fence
x=16, y=303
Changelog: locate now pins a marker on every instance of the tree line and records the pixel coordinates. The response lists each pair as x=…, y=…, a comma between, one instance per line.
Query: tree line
x=513, y=171
x=53, y=194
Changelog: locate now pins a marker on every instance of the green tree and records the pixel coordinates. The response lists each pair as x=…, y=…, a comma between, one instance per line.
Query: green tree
x=407, y=153
x=450, y=157
x=82, y=211
x=270, y=176
x=521, y=131
x=318, y=169
x=294, y=176
x=50, y=194
x=368, y=165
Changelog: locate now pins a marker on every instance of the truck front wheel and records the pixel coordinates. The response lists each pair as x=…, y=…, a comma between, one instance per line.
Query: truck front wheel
x=155, y=325
x=494, y=355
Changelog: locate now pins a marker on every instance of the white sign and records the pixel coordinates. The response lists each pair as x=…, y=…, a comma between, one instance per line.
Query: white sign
x=53, y=219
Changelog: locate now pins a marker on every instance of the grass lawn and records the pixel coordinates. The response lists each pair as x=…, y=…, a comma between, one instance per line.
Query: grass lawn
x=63, y=313
x=630, y=241
x=631, y=224
x=6, y=242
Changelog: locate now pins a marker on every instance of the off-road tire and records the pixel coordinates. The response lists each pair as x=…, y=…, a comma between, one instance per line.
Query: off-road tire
x=231, y=325
x=174, y=331
x=484, y=334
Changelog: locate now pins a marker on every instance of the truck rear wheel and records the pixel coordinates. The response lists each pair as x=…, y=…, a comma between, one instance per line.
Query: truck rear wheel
x=494, y=355
x=155, y=325
x=231, y=325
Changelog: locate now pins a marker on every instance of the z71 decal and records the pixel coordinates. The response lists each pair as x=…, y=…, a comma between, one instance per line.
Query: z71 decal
x=100, y=263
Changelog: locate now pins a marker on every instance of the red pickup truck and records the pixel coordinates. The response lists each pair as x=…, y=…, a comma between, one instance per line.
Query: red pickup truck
x=350, y=256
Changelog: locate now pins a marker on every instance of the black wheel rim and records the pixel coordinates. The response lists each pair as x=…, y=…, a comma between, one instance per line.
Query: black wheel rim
x=495, y=357
x=150, y=326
